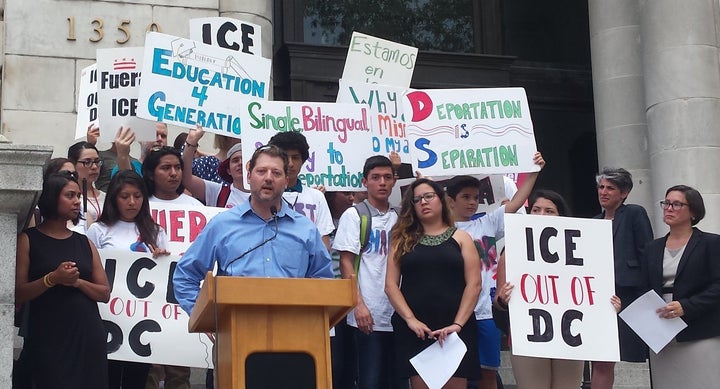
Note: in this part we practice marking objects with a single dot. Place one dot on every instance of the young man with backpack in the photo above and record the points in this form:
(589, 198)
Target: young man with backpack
(362, 238)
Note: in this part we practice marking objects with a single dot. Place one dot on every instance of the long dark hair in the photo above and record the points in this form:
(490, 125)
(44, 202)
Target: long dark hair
(143, 221)
(408, 229)
(552, 196)
(52, 188)
(152, 160)
(75, 150)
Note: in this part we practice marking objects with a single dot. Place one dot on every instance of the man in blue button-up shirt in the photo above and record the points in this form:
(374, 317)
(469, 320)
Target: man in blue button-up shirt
(288, 243)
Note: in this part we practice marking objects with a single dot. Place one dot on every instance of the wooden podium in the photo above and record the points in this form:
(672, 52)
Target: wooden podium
(283, 315)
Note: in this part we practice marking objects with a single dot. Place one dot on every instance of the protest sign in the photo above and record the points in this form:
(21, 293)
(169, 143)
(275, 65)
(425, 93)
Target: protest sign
(228, 33)
(563, 276)
(378, 61)
(87, 104)
(469, 131)
(181, 222)
(338, 135)
(386, 117)
(189, 83)
(119, 72)
(143, 320)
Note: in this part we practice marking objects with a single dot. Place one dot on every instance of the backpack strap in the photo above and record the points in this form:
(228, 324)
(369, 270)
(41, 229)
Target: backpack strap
(363, 210)
(223, 196)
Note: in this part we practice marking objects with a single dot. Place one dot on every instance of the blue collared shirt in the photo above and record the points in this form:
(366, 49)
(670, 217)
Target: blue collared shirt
(296, 252)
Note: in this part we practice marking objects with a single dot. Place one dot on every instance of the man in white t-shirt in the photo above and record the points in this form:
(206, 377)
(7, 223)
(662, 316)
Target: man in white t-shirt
(303, 199)
(211, 193)
(371, 316)
(463, 197)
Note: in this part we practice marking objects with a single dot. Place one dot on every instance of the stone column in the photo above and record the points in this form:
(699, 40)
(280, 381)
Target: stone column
(618, 88)
(682, 97)
(20, 185)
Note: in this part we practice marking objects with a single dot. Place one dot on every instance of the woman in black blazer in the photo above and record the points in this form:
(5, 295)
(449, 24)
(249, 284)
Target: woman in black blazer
(684, 268)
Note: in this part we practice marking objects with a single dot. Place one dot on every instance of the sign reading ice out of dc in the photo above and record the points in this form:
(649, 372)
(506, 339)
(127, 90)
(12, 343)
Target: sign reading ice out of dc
(119, 72)
(189, 83)
(87, 110)
(469, 131)
(338, 135)
(563, 276)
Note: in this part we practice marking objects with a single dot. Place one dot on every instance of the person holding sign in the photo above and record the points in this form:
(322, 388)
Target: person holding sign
(60, 277)
(684, 268)
(631, 232)
(533, 372)
(87, 164)
(126, 224)
(440, 272)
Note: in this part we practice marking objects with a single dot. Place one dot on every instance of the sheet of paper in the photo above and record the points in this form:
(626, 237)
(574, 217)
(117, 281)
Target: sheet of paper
(436, 364)
(655, 331)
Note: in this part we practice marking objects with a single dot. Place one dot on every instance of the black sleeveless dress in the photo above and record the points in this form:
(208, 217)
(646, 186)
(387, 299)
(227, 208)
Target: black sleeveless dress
(433, 281)
(66, 336)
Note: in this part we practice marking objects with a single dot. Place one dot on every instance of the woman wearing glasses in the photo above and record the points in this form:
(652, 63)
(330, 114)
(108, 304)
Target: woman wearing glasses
(87, 164)
(440, 271)
(60, 277)
(684, 268)
(631, 232)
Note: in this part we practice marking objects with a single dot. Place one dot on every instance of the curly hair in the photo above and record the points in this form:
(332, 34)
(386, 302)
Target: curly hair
(406, 233)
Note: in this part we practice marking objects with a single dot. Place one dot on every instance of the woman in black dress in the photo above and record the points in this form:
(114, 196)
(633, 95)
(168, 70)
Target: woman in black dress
(440, 272)
(60, 277)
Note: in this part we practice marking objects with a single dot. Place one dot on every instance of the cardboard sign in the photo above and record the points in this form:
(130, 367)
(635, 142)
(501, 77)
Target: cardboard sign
(386, 116)
(470, 131)
(143, 320)
(119, 72)
(563, 276)
(189, 83)
(87, 103)
(338, 134)
(378, 61)
(228, 33)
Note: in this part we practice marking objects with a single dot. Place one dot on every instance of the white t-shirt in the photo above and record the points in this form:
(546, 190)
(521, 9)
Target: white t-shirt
(122, 236)
(486, 231)
(182, 199)
(212, 190)
(373, 265)
(94, 209)
(510, 190)
(311, 203)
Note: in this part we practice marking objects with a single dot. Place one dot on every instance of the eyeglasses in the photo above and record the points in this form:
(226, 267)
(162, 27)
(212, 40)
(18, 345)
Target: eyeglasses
(90, 162)
(676, 205)
(425, 196)
(162, 148)
(269, 149)
(68, 174)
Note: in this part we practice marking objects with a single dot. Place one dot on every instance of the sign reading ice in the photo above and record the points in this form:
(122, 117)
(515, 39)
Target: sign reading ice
(189, 83)
(466, 131)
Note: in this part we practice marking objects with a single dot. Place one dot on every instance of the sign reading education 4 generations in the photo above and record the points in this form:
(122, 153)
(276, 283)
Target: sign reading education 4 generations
(189, 83)
(469, 131)
(119, 72)
(386, 116)
(143, 320)
(338, 134)
(563, 276)
(378, 61)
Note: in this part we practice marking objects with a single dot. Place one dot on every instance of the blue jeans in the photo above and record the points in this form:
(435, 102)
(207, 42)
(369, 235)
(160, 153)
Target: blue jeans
(376, 361)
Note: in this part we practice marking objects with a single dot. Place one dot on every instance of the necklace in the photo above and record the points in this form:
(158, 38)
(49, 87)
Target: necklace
(436, 240)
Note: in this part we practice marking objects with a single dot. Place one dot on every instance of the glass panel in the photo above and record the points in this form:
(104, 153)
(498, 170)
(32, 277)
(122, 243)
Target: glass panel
(439, 25)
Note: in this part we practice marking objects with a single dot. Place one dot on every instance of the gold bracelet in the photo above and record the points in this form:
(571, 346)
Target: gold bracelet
(191, 145)
(46, 280)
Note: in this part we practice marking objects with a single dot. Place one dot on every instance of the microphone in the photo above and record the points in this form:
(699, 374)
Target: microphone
(273, 211)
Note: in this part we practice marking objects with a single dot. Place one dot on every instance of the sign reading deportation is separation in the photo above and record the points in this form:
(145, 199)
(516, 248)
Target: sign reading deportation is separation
(338, 134)
(187, 83)
(469, 131)
(563, 276)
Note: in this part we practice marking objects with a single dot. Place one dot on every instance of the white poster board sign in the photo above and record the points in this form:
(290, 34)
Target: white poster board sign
(563, 273)
(378, 61)
(187, 83)
(119, 72)
(338, 135)
(228, 33)
(469, 131)
(143, 319)
(386, 115)
(182, 223)
(87, 104)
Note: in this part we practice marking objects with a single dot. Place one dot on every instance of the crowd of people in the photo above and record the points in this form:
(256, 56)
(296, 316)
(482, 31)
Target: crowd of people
(426, 269)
